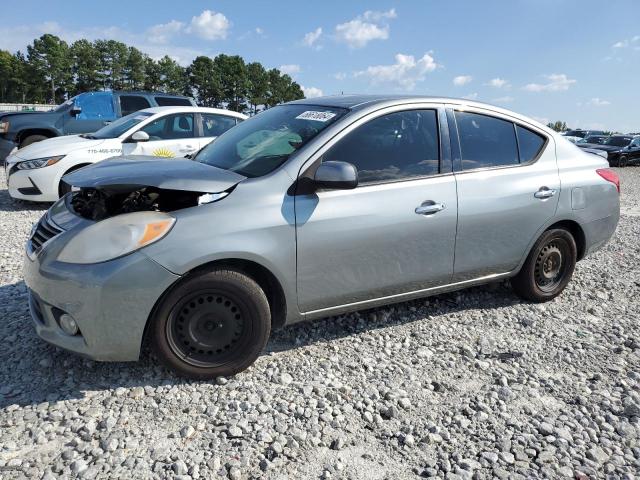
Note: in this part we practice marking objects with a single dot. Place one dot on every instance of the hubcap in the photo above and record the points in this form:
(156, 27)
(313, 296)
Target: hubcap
(205, 329)
(550, 266)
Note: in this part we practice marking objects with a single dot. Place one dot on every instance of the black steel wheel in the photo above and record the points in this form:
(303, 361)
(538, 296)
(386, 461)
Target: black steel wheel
(212, 324)
(623, 161)
(548, 267)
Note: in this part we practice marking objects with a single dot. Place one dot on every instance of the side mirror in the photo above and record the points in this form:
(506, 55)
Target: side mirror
(75, 110)
(336, 176)
(140, 136)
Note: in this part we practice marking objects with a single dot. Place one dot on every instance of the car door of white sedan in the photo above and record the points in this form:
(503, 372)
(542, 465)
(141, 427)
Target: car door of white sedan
(169, 136)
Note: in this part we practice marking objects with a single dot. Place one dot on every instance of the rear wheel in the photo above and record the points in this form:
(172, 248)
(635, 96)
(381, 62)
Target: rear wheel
(623, 161)
(213, 324)
(32, 139)
(548, 268)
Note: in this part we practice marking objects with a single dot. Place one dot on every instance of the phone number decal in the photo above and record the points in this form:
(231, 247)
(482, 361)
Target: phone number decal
(104, 150)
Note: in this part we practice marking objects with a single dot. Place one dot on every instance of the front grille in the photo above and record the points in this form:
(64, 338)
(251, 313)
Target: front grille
(45, 230)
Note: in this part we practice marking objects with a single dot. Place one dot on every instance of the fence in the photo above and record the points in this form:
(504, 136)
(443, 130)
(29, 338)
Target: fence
(24, 107)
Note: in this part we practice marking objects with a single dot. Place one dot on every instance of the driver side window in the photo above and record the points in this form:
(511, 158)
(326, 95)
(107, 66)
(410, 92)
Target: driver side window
(392, 147)
(171, 127)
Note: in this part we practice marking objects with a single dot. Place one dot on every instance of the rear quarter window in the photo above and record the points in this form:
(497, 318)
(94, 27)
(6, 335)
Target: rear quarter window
(530, 144)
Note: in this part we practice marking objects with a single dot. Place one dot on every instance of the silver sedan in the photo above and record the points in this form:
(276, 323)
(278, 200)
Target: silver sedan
(311, 209)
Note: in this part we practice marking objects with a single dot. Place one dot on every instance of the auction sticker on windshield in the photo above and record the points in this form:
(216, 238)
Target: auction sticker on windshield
(317, 116)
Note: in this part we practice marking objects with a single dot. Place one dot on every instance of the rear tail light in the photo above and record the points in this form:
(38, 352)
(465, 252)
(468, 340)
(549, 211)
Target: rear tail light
(610, 176)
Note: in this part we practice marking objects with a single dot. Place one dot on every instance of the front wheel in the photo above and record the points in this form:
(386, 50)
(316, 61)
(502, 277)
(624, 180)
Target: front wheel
(623, 161)
(548, 268)
(212, 324)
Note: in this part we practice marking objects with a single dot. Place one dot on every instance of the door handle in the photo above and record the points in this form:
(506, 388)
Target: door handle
(429, 208)
(544, 193)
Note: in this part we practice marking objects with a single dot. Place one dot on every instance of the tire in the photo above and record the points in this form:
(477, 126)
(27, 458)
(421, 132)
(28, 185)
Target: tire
(32, 139)
(212, 324)
(623, 161)
(548, 268)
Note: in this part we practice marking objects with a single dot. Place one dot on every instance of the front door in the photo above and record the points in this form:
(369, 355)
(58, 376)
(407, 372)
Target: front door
(96, 109)
(395, 232)
(508, 189)
(169, 136)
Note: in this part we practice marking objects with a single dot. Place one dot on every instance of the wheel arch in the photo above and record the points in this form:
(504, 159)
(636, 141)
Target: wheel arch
(35, 131)
(262, 276)
(576, 231)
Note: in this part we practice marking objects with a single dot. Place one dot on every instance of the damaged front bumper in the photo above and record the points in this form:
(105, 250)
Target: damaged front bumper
(110, 301)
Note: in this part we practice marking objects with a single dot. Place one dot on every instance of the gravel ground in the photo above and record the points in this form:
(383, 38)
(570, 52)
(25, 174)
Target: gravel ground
(474, 384)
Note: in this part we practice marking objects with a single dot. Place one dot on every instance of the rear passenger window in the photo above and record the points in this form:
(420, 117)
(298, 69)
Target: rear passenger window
(132, 103)
(530, 144)
(486, 141)
(172, 102)
(215, 125)
(396, 146)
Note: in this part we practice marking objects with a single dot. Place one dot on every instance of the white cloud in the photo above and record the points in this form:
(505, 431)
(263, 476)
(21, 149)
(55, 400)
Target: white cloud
(497, 82)
(598, 102)
(312, 37)
(289, 69)
(462, 80)
(311, 92)
(339, 76)
(371, 25)
(259, 30)
(621, 44)
(505, 99)
(405, 72)
(558, 82)
(163, 32)
(210, 25)
(19, 36)
(471, 96)
(628, 42)
(373, 16)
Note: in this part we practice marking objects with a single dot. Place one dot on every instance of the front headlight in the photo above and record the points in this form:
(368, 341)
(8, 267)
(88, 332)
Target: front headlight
(38, 162)
(4, 126)
(116, 236)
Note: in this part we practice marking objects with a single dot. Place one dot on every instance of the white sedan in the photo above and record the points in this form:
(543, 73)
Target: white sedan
(34, 172)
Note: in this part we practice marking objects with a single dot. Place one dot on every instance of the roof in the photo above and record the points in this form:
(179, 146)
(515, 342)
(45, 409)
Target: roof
(187, 109)
(357, 102)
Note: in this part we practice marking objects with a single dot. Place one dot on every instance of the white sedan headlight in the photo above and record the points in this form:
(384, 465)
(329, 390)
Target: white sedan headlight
(116, 236)
(38, 162)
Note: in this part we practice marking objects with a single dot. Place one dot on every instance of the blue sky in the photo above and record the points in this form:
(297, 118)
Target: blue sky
(572, 60)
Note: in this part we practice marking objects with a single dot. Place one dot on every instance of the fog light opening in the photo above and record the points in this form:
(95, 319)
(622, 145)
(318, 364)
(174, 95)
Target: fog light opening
(68, 324)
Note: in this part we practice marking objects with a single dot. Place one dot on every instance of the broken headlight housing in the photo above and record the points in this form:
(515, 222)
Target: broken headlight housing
(116, 237)
(38, 162)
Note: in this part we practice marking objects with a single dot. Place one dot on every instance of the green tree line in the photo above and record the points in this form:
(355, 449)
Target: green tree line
(52, 71)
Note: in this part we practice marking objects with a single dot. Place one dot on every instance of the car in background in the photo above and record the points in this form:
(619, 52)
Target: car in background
(612, 145)
(308, 210)
(593, 139)
(83, 113)
(577, 134)
(630, 154)
(35, 172)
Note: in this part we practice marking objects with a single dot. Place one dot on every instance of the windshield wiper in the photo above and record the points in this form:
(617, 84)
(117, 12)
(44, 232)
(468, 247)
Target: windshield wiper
(88, 135)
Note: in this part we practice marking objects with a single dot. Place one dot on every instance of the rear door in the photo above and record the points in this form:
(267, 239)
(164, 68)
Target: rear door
(169, 136)
(394, 233)
(508, 188)
(214, 125)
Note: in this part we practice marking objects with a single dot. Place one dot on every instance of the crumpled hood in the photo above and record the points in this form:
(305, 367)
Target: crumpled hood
(137, 171)
(55, 146)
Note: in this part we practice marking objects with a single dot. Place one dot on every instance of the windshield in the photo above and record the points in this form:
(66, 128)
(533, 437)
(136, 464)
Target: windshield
(261, 144)
(618, 141)
(117, 128)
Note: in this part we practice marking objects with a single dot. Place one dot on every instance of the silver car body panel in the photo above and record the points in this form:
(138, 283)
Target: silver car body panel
(337, 251)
